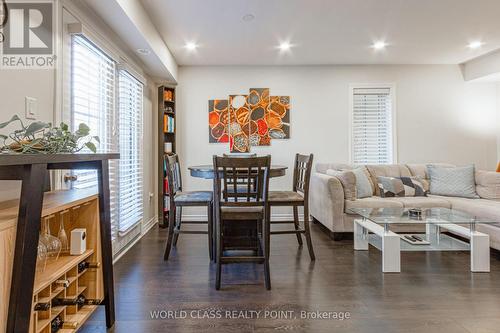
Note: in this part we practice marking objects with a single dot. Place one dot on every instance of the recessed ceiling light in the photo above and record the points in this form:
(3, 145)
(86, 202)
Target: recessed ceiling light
(191, 46)
(285, 46)
(475, 45)
(144, 51)
(380, 45)
(248, 17)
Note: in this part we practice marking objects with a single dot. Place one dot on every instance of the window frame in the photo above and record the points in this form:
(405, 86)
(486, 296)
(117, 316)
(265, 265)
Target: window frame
(392, 89)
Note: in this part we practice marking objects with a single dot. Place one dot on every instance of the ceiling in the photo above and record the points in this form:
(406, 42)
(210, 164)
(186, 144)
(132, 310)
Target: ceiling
(326, 31)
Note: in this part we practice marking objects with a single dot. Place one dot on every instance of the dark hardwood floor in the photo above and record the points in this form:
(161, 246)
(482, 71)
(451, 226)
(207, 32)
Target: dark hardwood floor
(436, 292)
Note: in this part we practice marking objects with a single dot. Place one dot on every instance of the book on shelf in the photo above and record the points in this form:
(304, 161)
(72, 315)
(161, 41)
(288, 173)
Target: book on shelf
(168, 124)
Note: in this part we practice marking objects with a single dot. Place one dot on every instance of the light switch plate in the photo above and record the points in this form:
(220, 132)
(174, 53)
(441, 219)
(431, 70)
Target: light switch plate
(31, 107)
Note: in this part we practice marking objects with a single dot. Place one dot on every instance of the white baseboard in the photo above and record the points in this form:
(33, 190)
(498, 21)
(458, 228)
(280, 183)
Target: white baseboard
(274, 217)
(145, 227)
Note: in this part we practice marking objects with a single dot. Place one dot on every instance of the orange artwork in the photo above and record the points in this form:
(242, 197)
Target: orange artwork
(249, 120)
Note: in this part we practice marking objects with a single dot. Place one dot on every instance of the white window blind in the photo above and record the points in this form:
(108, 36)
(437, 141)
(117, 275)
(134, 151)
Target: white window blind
(93, 85)
(372, 132)
(130, 135)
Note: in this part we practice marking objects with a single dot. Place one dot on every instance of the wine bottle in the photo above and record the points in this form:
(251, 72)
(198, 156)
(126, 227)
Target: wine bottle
(70, 324)
(82, 300)
(85, 264)
(42, 306)
(64, 301)
(63, 282)
(56, 324)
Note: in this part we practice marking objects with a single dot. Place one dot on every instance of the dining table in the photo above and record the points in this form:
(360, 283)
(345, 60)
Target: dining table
(206, 171)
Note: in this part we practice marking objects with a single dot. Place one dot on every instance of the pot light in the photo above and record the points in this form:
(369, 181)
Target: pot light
(144, 51)
(248, 17)
(285, 46)
(380, 45)
(475, 45)
(191, 46)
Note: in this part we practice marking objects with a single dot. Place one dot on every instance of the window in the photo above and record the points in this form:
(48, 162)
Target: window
(130, 125)
(372, 139)
(110, 101)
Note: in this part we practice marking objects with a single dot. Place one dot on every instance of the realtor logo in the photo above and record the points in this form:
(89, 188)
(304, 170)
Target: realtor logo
(28, 35)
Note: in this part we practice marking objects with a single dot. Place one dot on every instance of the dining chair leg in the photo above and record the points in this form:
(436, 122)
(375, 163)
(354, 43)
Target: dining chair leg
(218, 255)
(210, 231)
(178, 221)
(171, 226)
(308, 233)
(297, 224)
(266, 233)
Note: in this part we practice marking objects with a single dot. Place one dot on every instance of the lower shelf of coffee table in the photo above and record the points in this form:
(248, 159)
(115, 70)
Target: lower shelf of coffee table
(439, 242)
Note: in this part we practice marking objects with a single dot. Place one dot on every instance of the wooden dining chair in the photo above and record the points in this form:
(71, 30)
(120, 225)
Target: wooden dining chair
(179, 199)
(299, 196)
(242, 223)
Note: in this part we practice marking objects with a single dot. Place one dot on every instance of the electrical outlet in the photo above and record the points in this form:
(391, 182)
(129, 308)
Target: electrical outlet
(31, 107)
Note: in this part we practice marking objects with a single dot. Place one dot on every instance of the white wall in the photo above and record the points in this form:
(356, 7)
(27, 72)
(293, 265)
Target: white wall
(15, 85)
(440, 118)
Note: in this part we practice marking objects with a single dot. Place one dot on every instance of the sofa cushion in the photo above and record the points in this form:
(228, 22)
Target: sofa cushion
(323, 167)
(423, 202)
(454, 182)
(482, 208)
(373, 202)
(420, 172)
(364, 186)
(387, 170)
(400, 187)
(348, 180)
(488, 184)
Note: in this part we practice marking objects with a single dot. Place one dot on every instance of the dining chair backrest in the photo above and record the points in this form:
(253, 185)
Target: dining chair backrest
(173, 169)
(231, 173)
(302, 173)
(240, 155)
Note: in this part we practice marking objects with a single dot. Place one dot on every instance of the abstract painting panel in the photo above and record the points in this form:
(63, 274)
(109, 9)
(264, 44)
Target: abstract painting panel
(239, 124)
(258, 100)
(218, 120)
(278, 117)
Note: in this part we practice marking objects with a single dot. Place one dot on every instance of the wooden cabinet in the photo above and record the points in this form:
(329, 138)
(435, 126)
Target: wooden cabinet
(80, 209)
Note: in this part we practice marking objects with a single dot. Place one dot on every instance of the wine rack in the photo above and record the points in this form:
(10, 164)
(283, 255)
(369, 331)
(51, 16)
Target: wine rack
(66, 277)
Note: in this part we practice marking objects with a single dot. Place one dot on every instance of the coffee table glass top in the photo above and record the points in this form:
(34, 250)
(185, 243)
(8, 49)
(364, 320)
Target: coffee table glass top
(428, 216)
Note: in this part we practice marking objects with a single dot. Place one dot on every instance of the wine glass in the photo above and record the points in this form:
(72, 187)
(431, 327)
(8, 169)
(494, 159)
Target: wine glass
(53, 243)
(41, 255)
(63, 237)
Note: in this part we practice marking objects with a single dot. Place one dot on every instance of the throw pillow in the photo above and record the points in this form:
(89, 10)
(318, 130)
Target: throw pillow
(452, 182)
(348, 181)
(400, 187)
(363, 184)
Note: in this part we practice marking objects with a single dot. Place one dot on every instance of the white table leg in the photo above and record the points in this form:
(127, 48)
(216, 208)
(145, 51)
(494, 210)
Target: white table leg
(391, 253)
(360, 237)
(479, 252)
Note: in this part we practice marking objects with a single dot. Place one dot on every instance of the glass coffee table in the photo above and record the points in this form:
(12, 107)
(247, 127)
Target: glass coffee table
(375, 224)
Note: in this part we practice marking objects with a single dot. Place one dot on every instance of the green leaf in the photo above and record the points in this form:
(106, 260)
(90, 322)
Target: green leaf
(14, 118)
(64, 126)
(96, 138)
(91, 146)
(83, 130)
(35, 127)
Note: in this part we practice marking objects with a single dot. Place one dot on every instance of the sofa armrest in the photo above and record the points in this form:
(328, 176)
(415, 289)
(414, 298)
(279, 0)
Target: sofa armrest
(326, 199)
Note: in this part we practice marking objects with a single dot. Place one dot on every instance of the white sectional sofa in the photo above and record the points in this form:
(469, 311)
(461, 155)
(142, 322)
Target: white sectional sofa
(328, 206)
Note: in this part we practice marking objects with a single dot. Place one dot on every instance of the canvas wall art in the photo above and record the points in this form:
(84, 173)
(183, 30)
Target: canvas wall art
(218, 120)
(249, 120)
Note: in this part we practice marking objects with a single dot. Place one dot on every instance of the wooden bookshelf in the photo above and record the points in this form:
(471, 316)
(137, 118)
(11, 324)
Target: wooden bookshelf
(166, 135)
(81, 210)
